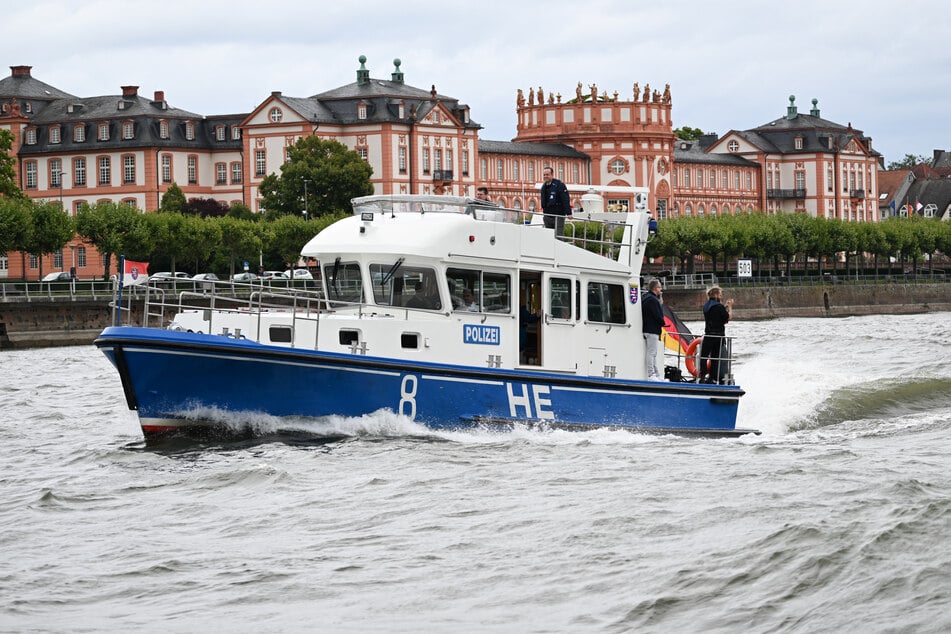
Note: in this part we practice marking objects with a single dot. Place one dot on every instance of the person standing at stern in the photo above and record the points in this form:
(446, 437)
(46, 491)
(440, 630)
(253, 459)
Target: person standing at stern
(556, 203)
(652, 316)
(715, 315)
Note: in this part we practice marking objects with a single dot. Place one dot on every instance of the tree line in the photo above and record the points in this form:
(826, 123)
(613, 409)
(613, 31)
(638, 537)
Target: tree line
(774, 242)
(196, 235)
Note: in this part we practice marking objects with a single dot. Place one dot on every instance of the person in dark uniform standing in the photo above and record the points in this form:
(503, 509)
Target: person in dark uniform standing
(652, 315)
(556, 203)
(716, 315)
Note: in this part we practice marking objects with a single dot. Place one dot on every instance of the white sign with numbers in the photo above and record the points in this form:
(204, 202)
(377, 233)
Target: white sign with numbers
(744, 268)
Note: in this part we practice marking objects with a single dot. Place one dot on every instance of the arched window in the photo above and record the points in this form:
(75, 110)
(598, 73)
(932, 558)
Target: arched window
(687, 210)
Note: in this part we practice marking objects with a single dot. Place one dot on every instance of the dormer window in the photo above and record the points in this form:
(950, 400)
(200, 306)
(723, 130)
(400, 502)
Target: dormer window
(55, 134)
(128, 130)
(362, 111)
(402, 110)
(733, 146)
(31, 136)
(163, 129)
(275, 115)
(103, 132)
(797, 142)
(236, 133)
(190, 130)
(28, 107)
(220, 133)
(79, 134)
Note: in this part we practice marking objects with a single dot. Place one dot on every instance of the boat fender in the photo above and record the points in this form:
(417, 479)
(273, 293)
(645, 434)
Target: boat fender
(691, 354)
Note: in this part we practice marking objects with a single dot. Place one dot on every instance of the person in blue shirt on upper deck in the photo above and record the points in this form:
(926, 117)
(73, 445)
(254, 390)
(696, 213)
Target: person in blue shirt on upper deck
(556, 203)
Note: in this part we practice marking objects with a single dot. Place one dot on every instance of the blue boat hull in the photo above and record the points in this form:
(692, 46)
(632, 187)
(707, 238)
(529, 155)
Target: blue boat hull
(172, 378)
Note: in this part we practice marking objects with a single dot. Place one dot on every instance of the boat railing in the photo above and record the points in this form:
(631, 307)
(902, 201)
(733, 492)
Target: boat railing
(683, 362)
(223, 297)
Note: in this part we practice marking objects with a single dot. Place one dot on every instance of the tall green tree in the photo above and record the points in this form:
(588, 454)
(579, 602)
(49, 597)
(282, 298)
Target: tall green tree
(8, 178)
(239, 240)
(910, 161)
(111, 228)
(687, 133)
(51, 229)
(14, 223)
(173, 199)
(321, 176)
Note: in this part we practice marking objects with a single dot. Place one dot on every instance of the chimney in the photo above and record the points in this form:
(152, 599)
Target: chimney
(363, 75)
(791, 109)
(397, 73)
(130, 91)
(159, 95)
(20, 71)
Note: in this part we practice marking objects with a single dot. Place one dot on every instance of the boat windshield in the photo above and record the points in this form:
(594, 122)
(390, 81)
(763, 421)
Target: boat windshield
(411, 204)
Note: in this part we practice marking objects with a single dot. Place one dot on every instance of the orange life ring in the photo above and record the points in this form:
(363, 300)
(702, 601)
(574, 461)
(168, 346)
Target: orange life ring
(691, 355)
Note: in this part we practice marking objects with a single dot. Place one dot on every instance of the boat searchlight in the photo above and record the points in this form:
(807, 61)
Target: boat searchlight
(367, 218)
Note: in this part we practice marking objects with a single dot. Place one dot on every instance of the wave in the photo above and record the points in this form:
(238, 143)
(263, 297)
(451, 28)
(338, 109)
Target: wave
(882, 400)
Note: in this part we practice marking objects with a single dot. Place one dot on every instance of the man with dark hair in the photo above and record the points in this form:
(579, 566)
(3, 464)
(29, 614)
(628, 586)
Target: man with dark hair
(652, 317)
(482, 193)
(556, 203)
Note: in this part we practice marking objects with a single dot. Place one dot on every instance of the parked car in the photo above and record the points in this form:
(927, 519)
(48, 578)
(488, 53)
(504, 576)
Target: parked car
(273, 275)
(58, 276)
(205, 280)
(244, 277)
(298, 274)
(167, 279)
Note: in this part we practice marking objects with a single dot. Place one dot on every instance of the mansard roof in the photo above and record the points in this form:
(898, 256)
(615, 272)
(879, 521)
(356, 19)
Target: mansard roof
(696, 152)
(22, 85)
(146, 115)
(816, 134)
(382, 99)
(533, 149)
(108, 107)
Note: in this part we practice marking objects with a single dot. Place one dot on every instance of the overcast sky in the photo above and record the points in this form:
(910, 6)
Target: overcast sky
(883, 66)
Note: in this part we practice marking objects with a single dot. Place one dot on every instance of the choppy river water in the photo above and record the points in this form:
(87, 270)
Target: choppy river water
(836, 518)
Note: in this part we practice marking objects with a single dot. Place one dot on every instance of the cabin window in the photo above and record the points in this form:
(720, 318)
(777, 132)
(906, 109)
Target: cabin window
(559, 298)
(280, 334)
(409, 340)
(411, 286)
(490, 292)
(344, 282)
(606, 303)
(349, 337)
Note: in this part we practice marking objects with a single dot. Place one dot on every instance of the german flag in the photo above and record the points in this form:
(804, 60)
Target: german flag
(675, 335)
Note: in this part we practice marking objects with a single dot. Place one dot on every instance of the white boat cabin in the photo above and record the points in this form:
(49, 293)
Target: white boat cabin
(449, 280)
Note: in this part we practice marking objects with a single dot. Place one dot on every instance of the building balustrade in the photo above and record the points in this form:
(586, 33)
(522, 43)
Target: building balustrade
(785, 193)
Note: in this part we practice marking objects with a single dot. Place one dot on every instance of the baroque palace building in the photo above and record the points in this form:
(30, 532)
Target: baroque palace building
(128, 148)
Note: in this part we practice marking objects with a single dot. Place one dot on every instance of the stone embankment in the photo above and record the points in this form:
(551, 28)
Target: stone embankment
(60, 323)
(833, 300)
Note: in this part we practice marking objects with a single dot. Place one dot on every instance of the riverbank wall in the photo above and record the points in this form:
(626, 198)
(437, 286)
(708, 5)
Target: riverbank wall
(68, 322)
